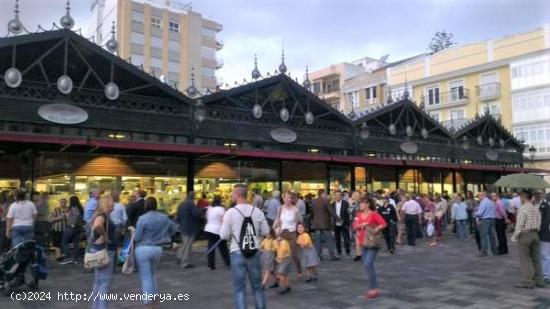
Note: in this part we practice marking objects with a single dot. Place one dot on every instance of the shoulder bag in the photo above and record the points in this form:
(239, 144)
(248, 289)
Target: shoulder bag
(373, 240)
(100, 258)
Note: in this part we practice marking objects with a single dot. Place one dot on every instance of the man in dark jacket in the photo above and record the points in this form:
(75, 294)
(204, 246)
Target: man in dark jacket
(544, 234)
(341, 223)
(189, 219)
(322, 216)
(137, 208)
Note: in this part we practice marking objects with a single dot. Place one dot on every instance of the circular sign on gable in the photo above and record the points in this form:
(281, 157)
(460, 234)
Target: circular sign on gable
(409, 147)
(283, 135)
(491, 155)
(63, 113)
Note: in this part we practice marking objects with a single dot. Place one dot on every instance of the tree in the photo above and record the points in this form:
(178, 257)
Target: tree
(441, 40)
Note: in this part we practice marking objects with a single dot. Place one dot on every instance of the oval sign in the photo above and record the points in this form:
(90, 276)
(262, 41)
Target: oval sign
(491, 155)
(283, 135)
(63, 113)
(409, 147)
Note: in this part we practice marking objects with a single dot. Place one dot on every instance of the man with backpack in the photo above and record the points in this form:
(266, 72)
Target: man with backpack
(243, 225)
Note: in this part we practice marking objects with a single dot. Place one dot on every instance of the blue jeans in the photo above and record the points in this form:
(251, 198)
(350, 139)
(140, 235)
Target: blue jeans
(240, 267)
(368, 261)
(21, 233)
(487, 236)
(147, 259)
(103, 277)
(329, 240)
(461, 229)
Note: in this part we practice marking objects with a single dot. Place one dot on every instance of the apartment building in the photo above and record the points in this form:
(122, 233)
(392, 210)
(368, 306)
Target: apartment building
(507, 77)
(166, 37)
(329, 83)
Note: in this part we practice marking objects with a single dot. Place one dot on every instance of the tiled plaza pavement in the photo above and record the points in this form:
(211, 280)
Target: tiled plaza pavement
(447, 276)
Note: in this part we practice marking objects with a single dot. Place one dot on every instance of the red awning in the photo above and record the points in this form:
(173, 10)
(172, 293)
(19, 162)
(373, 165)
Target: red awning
(279, 155)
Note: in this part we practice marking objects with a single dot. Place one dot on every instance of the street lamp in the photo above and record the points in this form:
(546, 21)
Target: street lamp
(532, 152)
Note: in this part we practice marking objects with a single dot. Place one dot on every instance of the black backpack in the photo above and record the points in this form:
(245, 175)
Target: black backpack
(248, 239)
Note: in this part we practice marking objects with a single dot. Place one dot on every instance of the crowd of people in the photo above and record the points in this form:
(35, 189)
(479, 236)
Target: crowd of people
(263, 237)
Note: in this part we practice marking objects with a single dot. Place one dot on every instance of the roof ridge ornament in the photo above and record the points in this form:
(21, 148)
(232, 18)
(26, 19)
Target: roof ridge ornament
(67, 22)
(282, 66)
(307, 82)
(15, 26)
(256, 73)
(112, 44)
(192, 89)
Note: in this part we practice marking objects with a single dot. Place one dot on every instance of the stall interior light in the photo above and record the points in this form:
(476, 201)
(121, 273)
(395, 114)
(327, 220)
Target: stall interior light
(313, 150)
(116, 136)
(230, 144)
(371, 154)
(467, 162)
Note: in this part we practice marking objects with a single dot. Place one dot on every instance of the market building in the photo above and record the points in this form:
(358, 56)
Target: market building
(74, 116)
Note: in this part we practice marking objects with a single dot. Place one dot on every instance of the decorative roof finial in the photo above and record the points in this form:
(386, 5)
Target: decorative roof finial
(406, 92)
(307, 82)
(256, 73)
(67, 22)
(192, 90)
(282, 66)
(112, 44)
(389, 99)
(15, 26)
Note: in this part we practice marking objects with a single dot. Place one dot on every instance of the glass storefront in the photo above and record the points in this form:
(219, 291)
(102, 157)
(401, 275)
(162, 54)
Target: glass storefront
(64, 175)
(429, 181)
(408, 180)
(340, 178)
(217, 177)
(448, 182)
(304, 177)
(361, 180)
(383, 178)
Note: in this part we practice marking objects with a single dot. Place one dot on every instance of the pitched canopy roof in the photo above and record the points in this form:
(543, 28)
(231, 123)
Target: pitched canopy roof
(486, 128)
(41, 57)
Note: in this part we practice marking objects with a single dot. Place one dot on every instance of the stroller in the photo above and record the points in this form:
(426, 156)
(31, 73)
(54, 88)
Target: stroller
(14, 264)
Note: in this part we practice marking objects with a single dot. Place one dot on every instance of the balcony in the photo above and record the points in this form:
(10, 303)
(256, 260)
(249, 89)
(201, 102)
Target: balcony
(219, 44)
(454, 124)
(487, 92)
(458, 97)
(219, 63)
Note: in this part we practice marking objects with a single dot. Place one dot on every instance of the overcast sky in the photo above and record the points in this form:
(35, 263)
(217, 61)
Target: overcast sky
(321, 32)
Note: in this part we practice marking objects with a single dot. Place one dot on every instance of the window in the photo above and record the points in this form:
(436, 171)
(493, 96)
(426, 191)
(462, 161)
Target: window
(137, 16)
(456, 89)
(331, 85)
(434, 115)
(316, 87)
(370, 94)
(491, 109)
(156, 22)
(432, 94)
(353, 98)
(174, 27)
(456, 114)
(137, 38)
(533, 105)
(209, 33)
(530, 72)
(535, 135)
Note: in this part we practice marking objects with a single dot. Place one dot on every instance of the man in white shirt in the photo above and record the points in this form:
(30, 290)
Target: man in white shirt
(413, 213)
(20, 219)
(241, 266)
(341, 223)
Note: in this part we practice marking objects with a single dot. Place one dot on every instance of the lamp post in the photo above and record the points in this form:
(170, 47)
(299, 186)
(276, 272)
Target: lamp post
(532, 153)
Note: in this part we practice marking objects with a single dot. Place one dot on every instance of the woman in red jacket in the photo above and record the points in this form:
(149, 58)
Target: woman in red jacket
(367, 216)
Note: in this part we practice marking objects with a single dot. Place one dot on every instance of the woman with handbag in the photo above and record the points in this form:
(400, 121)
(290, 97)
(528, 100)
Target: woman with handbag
(153, 230)
(100, 254)
(368, 225)
(285, 224)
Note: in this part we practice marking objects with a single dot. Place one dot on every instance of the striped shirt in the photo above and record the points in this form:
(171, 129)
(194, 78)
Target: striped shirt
(57, 218)
(528, 219)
